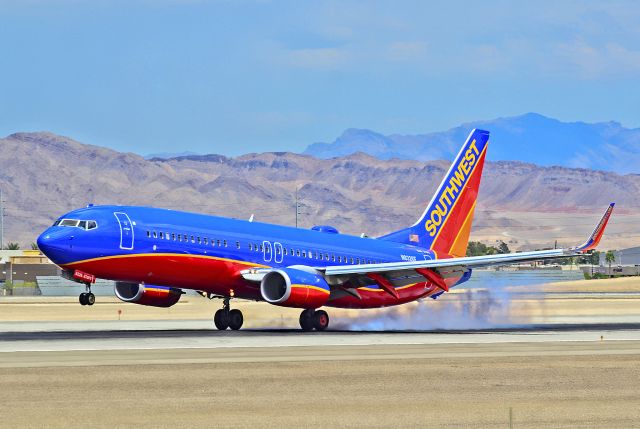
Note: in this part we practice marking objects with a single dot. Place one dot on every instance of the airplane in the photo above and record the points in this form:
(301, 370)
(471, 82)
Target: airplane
(155, 254)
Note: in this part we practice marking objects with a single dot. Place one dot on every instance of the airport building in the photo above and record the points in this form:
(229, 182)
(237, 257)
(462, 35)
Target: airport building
(630, 256)
(29, 272)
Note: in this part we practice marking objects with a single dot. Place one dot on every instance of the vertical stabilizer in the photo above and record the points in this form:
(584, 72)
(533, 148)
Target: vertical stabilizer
(446, 223)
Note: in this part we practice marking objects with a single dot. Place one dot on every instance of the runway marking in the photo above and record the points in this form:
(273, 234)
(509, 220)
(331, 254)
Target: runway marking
(314, 353)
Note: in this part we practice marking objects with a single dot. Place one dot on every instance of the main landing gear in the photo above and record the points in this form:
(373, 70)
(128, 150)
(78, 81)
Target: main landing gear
(227, 318)
(311, 319)
(87, 298)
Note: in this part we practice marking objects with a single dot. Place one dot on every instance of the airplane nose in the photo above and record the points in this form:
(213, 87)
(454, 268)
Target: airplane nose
(52, 242)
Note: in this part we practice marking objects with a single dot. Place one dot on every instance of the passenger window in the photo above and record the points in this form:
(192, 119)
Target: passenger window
(358, 261)
(155, 234)
(261, 247)
(199, 240)
(352, 260)
(225, 243)
(284, 250)
(193, 239)
(161, 235)
(173, 236)
(297, 252)
(204, 240)
(304, 254)
(333, 257)
(218, 243)
(148, 233)
(326, 256)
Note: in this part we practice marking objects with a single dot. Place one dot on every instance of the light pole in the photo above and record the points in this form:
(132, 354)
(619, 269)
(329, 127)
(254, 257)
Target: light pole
(297, 206)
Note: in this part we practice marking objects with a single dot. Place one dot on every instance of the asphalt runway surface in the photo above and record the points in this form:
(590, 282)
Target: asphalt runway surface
(552, 376)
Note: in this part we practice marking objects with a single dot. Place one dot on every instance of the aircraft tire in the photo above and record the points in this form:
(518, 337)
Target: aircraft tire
(221, 320)
(235, 319)
(306, 320)
(320, 320)
(90, 298)
(83, 299)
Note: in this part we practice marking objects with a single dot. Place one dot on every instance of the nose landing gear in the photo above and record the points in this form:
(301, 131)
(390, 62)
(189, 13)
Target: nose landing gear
(314, 319)
(227, 318)
(87, 298)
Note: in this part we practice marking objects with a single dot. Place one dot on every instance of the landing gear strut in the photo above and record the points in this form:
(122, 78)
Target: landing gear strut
(87, 298)
(227, 318)
(314, 319)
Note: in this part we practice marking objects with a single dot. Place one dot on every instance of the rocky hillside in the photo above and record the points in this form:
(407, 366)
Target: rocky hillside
(42, 175)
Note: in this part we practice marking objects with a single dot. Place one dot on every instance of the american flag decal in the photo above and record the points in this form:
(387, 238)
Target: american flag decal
(414, 238)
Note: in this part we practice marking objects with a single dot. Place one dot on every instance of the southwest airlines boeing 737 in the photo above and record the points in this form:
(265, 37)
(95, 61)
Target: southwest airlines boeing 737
(154, 254)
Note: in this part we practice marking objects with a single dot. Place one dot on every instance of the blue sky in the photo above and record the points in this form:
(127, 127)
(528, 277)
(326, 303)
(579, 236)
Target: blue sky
(239, 76)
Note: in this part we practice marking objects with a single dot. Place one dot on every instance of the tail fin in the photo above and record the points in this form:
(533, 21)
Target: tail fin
(446, 223)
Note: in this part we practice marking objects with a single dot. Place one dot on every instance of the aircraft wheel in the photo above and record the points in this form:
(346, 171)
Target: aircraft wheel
(320, 320)
(306, 320)
(83, 299)
(90, 298)
(235, 319)
(221, 320)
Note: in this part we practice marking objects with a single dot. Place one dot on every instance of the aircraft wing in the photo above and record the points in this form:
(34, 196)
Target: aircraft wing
(439, 269)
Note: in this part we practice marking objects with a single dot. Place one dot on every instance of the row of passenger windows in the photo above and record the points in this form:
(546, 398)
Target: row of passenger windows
(189, 238)
(310, 254)
(313, 254)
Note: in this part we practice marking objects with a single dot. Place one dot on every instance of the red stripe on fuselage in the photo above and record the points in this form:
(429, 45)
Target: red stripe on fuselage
(219, 276)
(208, 274)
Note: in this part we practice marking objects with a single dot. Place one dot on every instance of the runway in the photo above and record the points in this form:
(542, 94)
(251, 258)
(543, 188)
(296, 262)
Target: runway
(95, 348)
(62, 365)
(564, 377)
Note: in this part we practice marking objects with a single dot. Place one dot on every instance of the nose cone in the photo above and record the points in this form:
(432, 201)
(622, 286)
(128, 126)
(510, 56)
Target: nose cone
(54, 243)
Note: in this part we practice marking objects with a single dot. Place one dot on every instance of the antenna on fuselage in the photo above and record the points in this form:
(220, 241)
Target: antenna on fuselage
(251, 218)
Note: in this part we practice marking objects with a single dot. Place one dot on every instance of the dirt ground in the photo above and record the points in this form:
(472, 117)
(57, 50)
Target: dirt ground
(577, 389)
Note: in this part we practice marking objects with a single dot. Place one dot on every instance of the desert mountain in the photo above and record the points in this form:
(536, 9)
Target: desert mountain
(43, 175)
(531, 138)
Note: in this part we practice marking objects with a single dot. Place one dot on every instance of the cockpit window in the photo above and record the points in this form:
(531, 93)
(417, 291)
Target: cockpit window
(84, 224)
(69, 222)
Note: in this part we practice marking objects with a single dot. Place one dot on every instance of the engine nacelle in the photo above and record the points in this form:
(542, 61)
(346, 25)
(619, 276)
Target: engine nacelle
(290, 287)
(154, 296)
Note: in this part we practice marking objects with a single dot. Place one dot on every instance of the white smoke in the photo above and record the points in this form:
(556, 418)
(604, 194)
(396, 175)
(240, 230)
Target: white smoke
(465, 309)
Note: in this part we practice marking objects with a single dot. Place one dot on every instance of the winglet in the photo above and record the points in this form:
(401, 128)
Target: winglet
(595, 237)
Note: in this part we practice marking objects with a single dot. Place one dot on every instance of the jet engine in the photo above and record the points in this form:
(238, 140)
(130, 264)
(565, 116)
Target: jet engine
(290, 287)
(154, 296)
